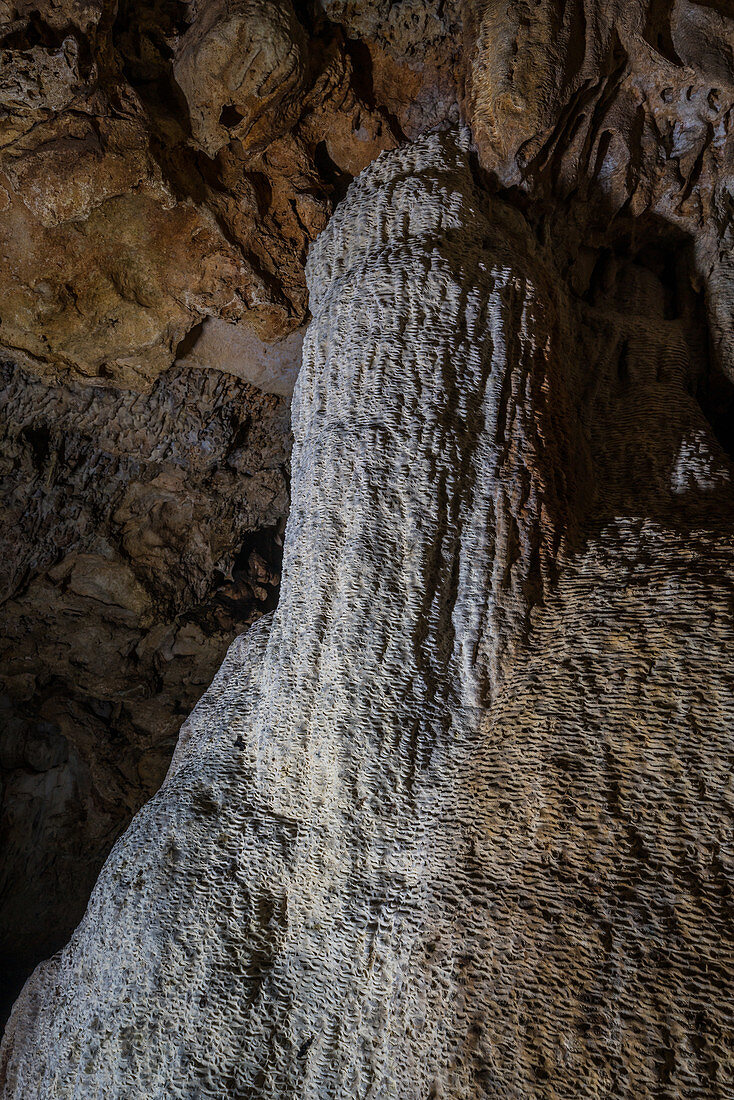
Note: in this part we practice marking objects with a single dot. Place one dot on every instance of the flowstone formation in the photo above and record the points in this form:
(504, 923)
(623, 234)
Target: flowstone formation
(164, 168)
(456, 821)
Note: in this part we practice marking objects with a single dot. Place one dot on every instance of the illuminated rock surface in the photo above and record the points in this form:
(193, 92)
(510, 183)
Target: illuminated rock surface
(457, 821)
(164, 168)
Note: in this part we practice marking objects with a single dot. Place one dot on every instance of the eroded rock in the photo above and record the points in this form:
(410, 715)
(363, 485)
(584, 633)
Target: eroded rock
(159, 197)
(613, 118)
(242, 66)
(461, 789)
(149, 178)
(409, 55)
(139, 535)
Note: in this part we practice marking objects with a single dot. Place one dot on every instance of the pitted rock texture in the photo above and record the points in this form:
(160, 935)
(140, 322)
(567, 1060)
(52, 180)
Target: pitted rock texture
(408, 55)
(139, 535)
(457, 821)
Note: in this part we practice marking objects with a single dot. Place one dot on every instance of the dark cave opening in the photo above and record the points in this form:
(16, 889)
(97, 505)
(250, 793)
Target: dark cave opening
(230, 117)
(337, 180)
(668, 254)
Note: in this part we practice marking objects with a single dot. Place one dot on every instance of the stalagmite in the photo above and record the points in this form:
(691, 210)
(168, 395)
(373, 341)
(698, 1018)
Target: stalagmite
(455, 822)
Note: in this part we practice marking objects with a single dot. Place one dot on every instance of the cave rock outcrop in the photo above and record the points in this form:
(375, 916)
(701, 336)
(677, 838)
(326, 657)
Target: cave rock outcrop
(454, 822)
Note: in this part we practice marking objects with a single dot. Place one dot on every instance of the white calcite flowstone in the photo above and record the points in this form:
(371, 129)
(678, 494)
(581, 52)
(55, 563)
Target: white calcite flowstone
(456, 823)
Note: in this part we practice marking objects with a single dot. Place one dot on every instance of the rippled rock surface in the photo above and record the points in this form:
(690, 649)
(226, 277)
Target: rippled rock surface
(456, 821)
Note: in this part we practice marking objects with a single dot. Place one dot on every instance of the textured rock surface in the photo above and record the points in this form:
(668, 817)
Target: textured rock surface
(127, 240)
(409, 56)
(161, 177)
(139, 535)
(161, 164)
(612, 116)
(242, 67)
(457, 822)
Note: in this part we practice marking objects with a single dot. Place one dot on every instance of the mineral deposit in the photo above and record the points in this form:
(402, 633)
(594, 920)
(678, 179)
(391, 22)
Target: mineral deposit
(456, 821)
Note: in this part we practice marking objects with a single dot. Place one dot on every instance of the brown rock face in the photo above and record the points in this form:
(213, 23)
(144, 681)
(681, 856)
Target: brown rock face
(149, 178)
(613, 119)
(410, 54)
(242, 68)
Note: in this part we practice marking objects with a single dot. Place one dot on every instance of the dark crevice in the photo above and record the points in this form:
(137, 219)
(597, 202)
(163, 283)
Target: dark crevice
(230, 116)
(658, 32)
(39, 440)
(253, 581)
(189, 341)
(362, 81)
(724, 7)
(263, 191)
(715, 395)
(336, 180)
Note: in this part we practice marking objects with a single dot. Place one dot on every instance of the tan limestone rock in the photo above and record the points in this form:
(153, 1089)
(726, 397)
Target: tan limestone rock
(242, 67)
